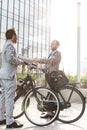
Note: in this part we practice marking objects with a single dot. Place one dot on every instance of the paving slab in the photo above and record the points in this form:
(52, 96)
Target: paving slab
(81, 124)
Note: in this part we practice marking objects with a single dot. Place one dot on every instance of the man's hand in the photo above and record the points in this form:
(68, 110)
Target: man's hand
(22, 63)
(42, 69)
(36, 60)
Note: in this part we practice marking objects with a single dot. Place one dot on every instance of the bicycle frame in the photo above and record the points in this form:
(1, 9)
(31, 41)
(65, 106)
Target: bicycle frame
(31, 84)
(28, 86)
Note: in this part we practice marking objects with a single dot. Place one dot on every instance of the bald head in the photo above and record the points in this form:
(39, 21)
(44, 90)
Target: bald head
(54, 45)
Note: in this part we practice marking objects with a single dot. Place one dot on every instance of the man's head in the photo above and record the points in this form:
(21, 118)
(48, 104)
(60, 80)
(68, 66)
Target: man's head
(11, 35)
(54, 45)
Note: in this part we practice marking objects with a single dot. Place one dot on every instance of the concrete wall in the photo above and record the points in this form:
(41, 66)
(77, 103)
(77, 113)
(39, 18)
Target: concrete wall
(75, 96)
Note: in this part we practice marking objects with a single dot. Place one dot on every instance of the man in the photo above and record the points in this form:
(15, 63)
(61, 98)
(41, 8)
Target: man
(51, 64)
(8, 80)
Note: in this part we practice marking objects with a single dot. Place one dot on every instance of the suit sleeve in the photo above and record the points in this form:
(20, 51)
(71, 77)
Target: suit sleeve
(11, 55)
(53, 60)
(26, 60)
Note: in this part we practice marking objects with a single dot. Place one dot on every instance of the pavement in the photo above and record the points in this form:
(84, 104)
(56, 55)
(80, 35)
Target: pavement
(81, 124)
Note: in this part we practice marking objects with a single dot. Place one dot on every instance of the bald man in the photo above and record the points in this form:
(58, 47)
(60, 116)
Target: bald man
(52, 62)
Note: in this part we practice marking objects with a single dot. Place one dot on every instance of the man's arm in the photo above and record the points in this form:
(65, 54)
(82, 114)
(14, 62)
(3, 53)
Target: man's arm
(10, 55)
(53, 60)
(26, 60)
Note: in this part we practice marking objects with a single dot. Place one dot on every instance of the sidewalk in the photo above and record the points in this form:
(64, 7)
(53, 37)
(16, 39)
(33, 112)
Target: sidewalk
(81, 124)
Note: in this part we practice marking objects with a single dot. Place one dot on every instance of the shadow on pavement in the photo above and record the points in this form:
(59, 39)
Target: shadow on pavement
(54, 126)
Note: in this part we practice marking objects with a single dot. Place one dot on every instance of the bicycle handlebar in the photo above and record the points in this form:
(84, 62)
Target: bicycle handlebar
(30, 64)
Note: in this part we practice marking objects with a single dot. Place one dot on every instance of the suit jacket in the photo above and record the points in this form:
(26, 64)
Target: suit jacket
(9, 61)
(53, 61)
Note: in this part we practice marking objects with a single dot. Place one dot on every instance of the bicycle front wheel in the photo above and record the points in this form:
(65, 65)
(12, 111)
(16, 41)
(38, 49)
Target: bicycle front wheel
(18, 110)
(41, 100)
(72, 104)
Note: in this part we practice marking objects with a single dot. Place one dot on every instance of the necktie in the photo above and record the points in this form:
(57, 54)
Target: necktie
(46, 66)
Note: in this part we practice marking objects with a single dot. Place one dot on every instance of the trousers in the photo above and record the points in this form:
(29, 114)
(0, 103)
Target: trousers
(49, 81)
(8, 88)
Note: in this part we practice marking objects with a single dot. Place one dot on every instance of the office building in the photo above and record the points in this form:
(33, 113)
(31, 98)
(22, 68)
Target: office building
(31, 19)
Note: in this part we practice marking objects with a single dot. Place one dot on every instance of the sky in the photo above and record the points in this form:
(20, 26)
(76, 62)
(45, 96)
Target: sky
(64, 23)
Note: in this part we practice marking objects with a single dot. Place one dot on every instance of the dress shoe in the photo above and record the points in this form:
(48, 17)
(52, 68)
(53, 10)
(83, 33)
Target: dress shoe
(14, 125)
(3, 122)
(48, 115)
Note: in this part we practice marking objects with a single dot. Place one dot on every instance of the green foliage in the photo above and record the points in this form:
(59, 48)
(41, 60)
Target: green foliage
(23, 69)
(21, 76)
(84, 81)
(71, 78)
(34, 76)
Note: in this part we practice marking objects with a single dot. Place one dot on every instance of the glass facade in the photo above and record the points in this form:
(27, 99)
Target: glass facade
(31, 19)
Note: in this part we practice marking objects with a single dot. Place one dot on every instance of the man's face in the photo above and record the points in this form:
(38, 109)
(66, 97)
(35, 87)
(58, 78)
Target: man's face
(14, 39)
(54, 46)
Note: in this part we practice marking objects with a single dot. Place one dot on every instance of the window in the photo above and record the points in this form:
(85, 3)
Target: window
(17, 4)
(16, 11)
(4, 4)
(4, 12)
(21, 9)
(10, 15)
(21, 19)
(16, 25)
(26, 12)
(21, 30)
(9, 23)
(26, 32)
(10, 6)
(15, 17)
(32, 29)
(3, 26)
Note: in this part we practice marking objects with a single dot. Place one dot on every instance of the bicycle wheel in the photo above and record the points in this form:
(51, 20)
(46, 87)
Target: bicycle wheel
(18, 110)
(72, 104)
(41, 100)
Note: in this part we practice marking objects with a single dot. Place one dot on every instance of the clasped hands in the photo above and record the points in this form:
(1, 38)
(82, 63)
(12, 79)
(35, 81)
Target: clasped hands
(35, 60)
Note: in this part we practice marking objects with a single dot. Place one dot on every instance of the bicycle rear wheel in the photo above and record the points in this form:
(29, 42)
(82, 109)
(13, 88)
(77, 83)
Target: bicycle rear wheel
(72, 106)
(41, 100)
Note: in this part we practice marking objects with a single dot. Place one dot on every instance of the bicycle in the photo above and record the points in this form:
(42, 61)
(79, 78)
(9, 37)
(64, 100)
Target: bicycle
(31, 96)
(71, 100)
(73, 105)
(63, 103)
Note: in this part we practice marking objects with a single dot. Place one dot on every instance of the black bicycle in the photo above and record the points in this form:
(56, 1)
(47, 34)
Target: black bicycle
(72, 104)
(32, 101)
(67, 104)
(71, 100)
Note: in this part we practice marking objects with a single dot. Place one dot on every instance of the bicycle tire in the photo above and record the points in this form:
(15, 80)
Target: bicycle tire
(72, 112)
(18, 110)
(37, 102)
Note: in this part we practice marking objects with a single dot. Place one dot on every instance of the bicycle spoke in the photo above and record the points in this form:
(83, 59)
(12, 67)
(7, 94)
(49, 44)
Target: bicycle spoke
(73, 105)
(36, 107)
(18, 109)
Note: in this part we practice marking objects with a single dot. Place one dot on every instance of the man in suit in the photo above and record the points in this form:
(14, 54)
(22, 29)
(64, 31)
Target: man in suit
(8, 80)
(51, 64)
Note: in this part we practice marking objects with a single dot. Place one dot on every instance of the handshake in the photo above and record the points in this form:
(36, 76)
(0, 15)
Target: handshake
(35, 60)
(28, 61)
